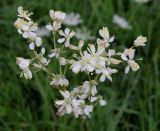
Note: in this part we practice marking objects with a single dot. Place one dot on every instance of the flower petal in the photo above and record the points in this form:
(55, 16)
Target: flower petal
(127, 69)
(61, 40)
(31, 46)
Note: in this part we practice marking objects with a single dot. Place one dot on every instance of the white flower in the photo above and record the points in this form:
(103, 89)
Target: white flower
(88, 109)
(25, 28)
(57, 15)
(81, 91)
(88, 89)
(67, 35)
(37, 42)
(78, 107)
(65, 106)
(54, 27)
(54, 53)
(70, 104)
(93, 60)
(24, 14)
(28, 29)
(62, 61)
(90, 60)
(128, 55)
(111, 60)
(76, 67)
(93, 99)
(19, 23)
(140, 41)
(26, 73)
(24, 66)
(106, 73)
(59, 80)
(30, 35)
(84, 34)
(104, 33)
(41, 63)
(121, 22)
(22, 63)
(72, 19)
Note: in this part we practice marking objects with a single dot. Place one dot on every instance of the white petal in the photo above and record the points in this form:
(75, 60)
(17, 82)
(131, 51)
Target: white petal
(61, 32)
(104, 33)
(72, 34)
(25, 28)
(67, 43)
(90, 68)
(92, 48)
(49, 27)
(59, 102)
(61, 40)
(88, 109)
(25, 35)
(140, 41)
(111, 53)
(76, 67)
(102, 78)
(124, 57)
(22, 63)
(38, 41)
(111, 39)
(51, 13)
(31, 46)
(134, 66)
(127, 69)
(94, 90)
(115, 61)
(27, 74)
(52, 55)
(93, 99)
(66, 31)
(109, 77)
(43, 50)
(102, 102)
(68, 109)
(65, 94)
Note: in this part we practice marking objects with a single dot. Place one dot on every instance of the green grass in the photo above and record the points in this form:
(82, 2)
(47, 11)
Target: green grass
(133, 99)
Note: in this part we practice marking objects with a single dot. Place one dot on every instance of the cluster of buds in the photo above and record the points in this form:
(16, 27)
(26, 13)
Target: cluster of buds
(97, 60)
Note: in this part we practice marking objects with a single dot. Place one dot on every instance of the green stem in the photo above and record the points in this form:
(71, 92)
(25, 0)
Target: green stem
(90, 88)
(85, 127)
(54, 42)
(54, 39)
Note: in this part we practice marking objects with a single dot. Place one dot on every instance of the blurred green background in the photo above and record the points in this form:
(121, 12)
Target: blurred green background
(133, 99)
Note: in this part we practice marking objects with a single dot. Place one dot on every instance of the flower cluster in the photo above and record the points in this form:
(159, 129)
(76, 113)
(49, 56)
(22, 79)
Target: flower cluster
(97, 60)
(27, 28)
(75, 101)
(24, 66)
(57, 17)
